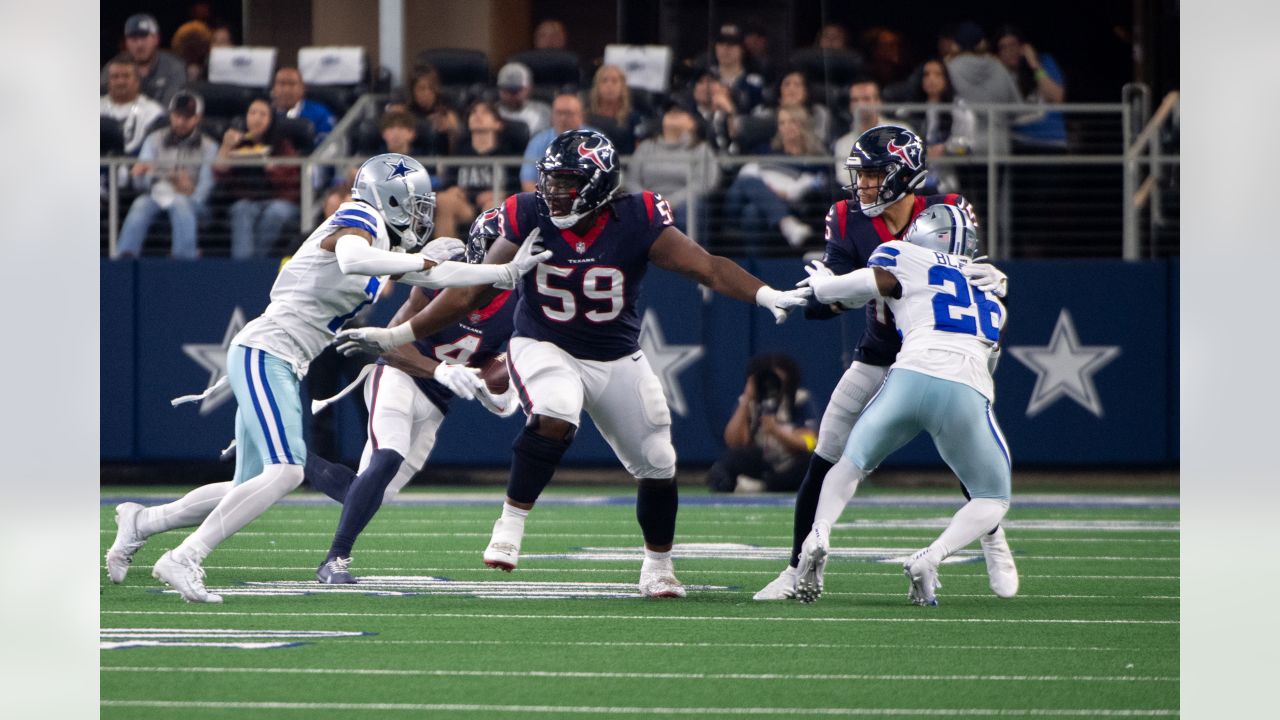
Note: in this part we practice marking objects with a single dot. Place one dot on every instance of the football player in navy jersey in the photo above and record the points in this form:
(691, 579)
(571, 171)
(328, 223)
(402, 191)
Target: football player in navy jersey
(408, 395)
(576, 340)
(886, 166)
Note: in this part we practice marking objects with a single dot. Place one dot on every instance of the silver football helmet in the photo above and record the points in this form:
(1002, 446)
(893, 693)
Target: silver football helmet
(400, 189)
(945, 228)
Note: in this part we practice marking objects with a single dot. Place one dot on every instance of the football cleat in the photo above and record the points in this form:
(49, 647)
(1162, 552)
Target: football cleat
(335, 571)
(185, 575)
(128, 541)
(658, 580)
(922, 571)
(782, 587)
(503, 552)
(1002, 573)
(813, 563)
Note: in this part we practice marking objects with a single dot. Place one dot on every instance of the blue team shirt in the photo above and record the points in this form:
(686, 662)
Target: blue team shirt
(473, 341)
(583, 299)
(851, 238)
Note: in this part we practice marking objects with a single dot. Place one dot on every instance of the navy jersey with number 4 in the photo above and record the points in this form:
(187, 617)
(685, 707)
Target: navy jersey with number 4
(583, 299)
(472, 342)
(851, 239)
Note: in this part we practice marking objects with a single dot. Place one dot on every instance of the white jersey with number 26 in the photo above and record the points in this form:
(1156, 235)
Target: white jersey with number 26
(312, 298)
(948, 327)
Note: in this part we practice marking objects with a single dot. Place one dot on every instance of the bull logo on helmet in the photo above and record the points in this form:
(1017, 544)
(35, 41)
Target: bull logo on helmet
(601, 154)
(910, 153)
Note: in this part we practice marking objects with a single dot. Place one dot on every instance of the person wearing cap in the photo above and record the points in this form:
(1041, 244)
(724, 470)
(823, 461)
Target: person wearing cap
(175, 174)
(746, 87)
(125, 103)
(161, 72)
(515, 81)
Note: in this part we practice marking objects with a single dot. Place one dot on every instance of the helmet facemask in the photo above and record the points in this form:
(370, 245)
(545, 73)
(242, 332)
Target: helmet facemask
(561, 192)
(412, 220)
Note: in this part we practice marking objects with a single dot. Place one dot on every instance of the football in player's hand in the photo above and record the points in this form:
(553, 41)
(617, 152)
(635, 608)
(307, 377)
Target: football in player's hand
(494, 374)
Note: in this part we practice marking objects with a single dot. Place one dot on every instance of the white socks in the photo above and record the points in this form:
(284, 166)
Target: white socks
(511, 512)
(837, 490)
(970, 522)
(188, 510)
(241, 505)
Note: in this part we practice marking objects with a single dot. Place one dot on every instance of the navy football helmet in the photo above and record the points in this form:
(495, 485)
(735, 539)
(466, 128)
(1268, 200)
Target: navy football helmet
(487, 227)
(898, 154)
(578, 175)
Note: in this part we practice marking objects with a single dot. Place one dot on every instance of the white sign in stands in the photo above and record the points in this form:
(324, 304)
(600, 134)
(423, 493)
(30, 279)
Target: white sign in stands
(243, 66)
(331, 65)
(647, 67)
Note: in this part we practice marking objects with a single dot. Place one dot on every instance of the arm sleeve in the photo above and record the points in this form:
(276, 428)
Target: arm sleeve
(456, 274)
(204, 176)
(357, 257)
(853, 289)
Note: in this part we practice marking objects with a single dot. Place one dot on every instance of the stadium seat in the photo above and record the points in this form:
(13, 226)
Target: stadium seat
(338, 98)
(222, 100)
(551, 67)
(458, 67)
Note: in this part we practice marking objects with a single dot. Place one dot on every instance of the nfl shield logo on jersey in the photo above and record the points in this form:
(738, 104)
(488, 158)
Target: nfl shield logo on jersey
(581, 247)
(475, 317)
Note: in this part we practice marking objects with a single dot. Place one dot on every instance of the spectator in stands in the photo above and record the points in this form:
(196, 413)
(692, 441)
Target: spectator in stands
(566, 115)
(883, 49)
(1039, 81)
(485, 138)
(864, 113)
(832, 36)
(175, 173)
(979, 78)
(716, 112)
(515, 82)
(426, 102)
(288, 97)
(772, 433)
(765, 197)
(550, 34)
(947, 45)
(755, 40)
(161, 73)
(191, 44)
(946, 132)
(125, 103)
(222, 36)
(793, 91)
(266, 196)
(399, 131)
(610, 111)
(667, 163)
(745, 87)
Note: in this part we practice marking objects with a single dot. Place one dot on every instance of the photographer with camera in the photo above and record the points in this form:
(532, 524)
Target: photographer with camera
(771, 434)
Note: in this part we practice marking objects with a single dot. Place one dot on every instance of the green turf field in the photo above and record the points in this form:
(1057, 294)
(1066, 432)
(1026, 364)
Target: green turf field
(433, 633)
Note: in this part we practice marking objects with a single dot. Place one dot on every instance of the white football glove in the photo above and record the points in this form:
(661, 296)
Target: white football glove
(373, 340)
(443, 249)
(814, 270)
(461, 380)
(504, 405)
(528, 257)
(986, 277)
(780, 302)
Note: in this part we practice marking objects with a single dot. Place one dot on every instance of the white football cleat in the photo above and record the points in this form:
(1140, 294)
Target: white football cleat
(813, 563)
(1002, 573)
(658, 580)
(782, 587)
(128, 541)
(185, 575)
(503, 552)
(922, 571)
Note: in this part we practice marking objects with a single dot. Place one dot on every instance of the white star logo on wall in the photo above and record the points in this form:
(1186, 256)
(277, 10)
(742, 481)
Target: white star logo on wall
(667, 361)
(1064, 367)
(213, 357)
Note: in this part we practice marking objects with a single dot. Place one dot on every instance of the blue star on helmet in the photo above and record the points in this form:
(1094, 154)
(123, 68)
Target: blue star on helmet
(399, 169)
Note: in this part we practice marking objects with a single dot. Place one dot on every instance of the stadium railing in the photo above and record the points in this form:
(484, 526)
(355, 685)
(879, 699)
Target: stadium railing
(1113, 192)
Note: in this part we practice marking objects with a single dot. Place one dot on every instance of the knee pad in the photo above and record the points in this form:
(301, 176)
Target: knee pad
(660, 456)
(856, 387)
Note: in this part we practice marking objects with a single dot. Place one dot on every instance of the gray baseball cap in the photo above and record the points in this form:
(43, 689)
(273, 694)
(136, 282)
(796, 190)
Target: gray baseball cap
(141, 24)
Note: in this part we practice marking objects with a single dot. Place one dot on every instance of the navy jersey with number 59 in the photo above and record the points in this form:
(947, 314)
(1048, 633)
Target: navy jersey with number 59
(851, 238)
(583, 299)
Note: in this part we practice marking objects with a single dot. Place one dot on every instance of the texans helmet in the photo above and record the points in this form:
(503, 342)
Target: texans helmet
(399, 188)
(579, 174)
(945, 228)
(487, 227)
(894, 151)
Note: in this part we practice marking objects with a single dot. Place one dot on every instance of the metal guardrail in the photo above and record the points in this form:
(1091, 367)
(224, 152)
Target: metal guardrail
(991, 169)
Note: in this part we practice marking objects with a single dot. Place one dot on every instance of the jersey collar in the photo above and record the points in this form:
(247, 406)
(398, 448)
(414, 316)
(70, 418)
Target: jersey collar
(882, 228)
(582, 243)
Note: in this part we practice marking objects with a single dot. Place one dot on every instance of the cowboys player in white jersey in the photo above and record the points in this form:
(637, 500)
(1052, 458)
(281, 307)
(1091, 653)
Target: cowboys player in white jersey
(940, 383)
(338, 270)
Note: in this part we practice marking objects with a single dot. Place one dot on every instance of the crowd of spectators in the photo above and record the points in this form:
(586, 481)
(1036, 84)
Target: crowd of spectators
(739, 99)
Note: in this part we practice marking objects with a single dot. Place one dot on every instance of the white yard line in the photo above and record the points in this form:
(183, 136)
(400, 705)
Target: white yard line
(218, 611)
(798, 646)
(646, 711)
(781, 552)
(686, 537)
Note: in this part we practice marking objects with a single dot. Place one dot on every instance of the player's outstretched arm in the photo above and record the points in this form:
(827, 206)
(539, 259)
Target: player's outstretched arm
(357, 256)
(449, 273)
(853, 289)
(673, 250)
